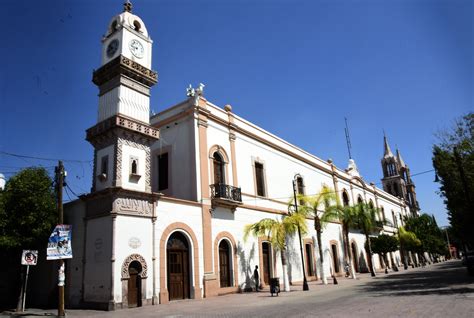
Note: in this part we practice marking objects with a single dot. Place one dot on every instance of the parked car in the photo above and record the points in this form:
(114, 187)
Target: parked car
(468, 260)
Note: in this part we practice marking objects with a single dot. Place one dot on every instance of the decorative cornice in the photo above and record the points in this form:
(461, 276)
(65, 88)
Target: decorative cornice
(119, 121)
(124, 65)
(119, 201)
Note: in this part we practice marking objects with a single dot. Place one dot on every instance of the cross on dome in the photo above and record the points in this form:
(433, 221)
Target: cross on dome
(127, 6)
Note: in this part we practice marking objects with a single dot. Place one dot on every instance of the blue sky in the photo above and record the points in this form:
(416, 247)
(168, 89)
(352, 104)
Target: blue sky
(295, 68)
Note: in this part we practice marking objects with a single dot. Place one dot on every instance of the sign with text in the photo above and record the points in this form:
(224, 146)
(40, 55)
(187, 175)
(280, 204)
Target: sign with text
(29, 257)
(59, 243)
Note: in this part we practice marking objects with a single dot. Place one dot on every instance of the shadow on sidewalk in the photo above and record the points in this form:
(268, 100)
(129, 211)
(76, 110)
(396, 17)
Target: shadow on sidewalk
(443, 279)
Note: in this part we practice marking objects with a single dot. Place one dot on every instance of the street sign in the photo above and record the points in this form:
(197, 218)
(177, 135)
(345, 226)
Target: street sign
(29, 257)
(59, 243)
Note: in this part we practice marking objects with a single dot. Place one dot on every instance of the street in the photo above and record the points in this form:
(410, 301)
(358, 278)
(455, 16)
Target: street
(439, 290)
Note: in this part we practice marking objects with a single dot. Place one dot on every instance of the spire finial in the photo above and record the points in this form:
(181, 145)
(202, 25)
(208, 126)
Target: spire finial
(127, 6)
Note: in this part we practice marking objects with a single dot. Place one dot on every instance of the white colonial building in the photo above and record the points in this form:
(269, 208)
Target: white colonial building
(172, 193)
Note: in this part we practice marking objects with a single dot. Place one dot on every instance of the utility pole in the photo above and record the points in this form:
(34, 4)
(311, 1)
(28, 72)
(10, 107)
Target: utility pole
(60, 174)
(305, 282)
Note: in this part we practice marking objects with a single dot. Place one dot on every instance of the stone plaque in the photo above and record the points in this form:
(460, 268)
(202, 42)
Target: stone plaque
(134, 206)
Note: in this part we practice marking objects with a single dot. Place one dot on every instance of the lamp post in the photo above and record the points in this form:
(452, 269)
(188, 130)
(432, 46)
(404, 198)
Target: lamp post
(445, 228)
(305, 282)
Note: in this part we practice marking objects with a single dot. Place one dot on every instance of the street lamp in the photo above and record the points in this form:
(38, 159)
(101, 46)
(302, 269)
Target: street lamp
(445, 228)
(305, 282)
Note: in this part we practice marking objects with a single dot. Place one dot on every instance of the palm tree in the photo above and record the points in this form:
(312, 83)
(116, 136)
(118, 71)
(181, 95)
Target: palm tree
(277, 231)
(310, 207)
(345, 215)
(366, 221)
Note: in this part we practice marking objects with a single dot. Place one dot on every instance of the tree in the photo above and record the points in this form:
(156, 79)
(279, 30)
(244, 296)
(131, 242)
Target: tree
(408, 242)
(27, 216)
(27, 210)
(428, 232)
(325, 198)
(345, 215)
(453, 160)
(384, 244)
(364, 218)
(277, 232)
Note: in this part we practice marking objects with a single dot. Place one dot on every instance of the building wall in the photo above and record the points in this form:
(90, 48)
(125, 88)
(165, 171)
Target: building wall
(177, 139)
(105, 152)
(98, 266)
(74, 215)
(135, 237)
(179, 216)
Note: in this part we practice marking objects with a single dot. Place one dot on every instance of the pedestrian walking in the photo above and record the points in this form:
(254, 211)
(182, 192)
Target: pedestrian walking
(346, 269)
(256, 278)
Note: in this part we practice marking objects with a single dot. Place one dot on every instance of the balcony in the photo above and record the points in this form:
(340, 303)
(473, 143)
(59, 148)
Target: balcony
(378, 226)
(226, 196)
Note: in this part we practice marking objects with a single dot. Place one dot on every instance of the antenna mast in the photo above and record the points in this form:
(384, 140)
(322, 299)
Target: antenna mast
(348, 139)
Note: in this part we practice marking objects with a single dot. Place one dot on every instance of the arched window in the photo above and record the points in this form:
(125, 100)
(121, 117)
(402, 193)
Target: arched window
(394, 218)
(396, 190)
(345, 198)
(371, 206)
(359, 199)
(219, 175)
(300, 188)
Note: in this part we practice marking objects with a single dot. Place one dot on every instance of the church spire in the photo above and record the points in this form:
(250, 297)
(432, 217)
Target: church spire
(387, 152)
(400, 159)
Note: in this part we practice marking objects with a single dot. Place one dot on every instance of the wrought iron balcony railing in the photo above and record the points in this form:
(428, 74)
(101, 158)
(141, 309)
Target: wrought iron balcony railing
(226, 192)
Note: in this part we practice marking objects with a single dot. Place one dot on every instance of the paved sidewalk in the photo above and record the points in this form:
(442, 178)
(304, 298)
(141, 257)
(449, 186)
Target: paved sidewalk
(437, 290)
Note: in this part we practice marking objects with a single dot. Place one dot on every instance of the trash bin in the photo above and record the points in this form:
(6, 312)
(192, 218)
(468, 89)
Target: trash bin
(275, 285)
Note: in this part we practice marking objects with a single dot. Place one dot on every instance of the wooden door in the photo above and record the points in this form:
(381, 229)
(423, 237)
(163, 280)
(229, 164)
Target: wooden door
(309, 260)
(178, 274)
(266, 262)
(178, 267)
(133, 290)
(355, 257)
(335, 258)
(224, 264)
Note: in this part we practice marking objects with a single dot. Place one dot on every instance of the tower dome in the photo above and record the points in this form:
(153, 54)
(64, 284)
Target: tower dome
(128, 20)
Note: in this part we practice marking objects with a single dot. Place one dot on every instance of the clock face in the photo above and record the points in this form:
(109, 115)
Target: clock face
(112, 47)
(136, 48)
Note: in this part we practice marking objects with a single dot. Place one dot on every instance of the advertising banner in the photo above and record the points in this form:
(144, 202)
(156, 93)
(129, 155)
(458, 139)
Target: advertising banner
(29, 257)
(59, 243)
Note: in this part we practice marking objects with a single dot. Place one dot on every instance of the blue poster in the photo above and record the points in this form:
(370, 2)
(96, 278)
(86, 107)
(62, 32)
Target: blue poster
(59, 243)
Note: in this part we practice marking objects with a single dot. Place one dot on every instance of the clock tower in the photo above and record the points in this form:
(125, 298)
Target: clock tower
(122, 136)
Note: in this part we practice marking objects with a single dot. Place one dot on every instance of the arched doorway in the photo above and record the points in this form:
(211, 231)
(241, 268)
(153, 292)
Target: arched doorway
(266, 255)
(134, 285)
(355, 257)
(225, 267)
(335, 258)
(177, 250)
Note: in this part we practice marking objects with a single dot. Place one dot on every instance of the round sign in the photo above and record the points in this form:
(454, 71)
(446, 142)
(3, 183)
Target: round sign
(134, 242)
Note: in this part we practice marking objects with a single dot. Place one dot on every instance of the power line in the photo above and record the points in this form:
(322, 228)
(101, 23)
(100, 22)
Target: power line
(68, 187)
(42, 158)
(67, 193)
